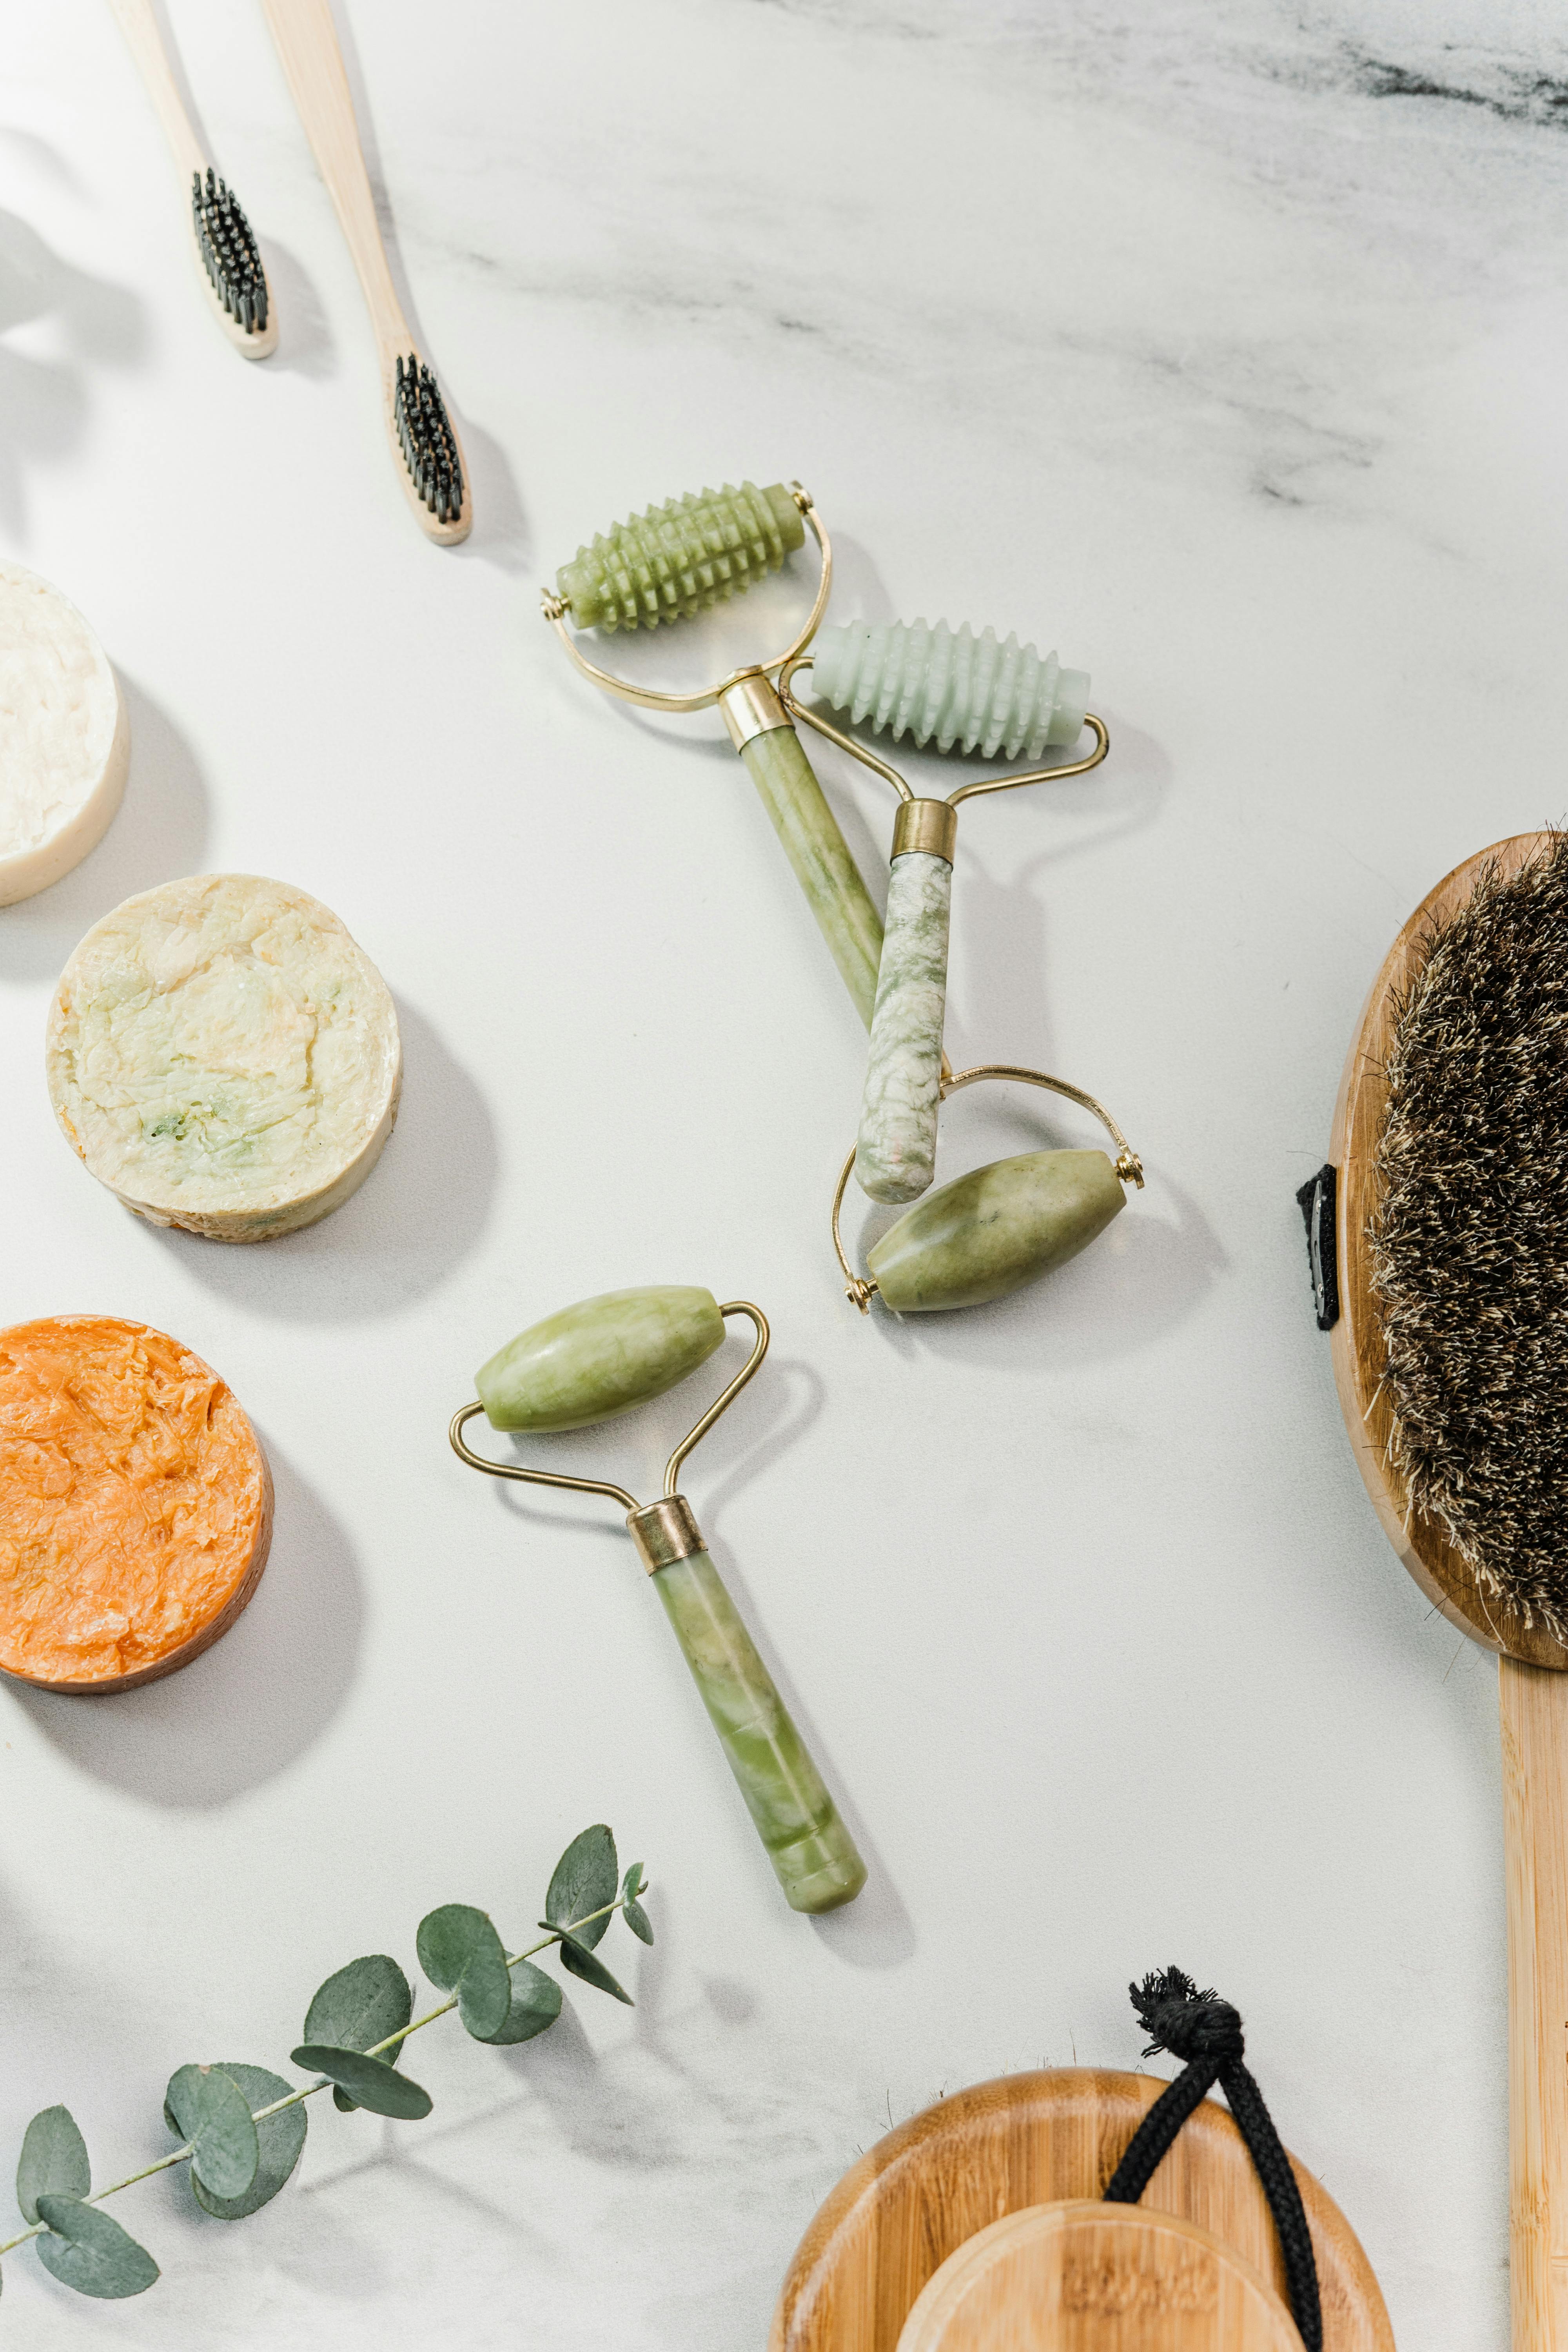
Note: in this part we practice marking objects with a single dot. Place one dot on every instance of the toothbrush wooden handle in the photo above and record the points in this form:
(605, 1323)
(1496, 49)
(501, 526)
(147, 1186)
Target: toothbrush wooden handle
(848, 920)
(811, 1851)
(140, 27)
(312, 62)
(895, 1155)
(1533, 1708)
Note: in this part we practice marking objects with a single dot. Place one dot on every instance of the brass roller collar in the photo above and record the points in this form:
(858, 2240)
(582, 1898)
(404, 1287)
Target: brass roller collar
(664, 1532)
(930, 825)
(751, 706)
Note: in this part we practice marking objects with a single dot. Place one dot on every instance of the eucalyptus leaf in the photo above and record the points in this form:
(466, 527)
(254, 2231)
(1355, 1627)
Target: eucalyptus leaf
(460, 1951)
(83, 2248)
(369, 2081)
(279, 2139)
(357, 2008)
(535, 2004)
(210, 2110)
(579, 1961)
(53, 2161)
(585, 1880)
(632, 1912)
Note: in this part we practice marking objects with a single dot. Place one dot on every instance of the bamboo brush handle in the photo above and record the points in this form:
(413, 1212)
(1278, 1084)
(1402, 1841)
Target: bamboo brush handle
(312, 63)
(140, 27)
(1533, 1708)
(787, 786)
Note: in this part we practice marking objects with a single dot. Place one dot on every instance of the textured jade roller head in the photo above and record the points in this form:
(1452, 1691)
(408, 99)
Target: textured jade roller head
(592, 1362)
(960, 692)
(999, 1227)
(677, 562)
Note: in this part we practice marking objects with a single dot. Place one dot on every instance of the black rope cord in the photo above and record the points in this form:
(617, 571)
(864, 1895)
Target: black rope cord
(1205, 2033)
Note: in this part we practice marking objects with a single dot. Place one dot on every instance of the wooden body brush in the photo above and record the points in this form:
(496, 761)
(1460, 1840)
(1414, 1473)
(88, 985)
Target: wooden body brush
(226, 251)
(424, 438)
(1449, 1352)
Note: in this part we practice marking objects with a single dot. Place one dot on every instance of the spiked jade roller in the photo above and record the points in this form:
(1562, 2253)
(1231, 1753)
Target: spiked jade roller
(682, 559)
(991, 1232)
(590, 1363)
(980, 696)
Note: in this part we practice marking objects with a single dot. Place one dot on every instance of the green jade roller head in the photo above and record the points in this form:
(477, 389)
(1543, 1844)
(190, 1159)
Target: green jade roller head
(591, 1363)
(678, 561)
(999, 1227)
(957, 689)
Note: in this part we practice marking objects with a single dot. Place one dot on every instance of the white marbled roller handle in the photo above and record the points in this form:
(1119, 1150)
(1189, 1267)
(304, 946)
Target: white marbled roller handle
(895, 1154)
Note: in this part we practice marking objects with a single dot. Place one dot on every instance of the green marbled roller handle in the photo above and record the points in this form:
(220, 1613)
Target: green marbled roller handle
(819, 853)
(895, 1156)
(808, 1845)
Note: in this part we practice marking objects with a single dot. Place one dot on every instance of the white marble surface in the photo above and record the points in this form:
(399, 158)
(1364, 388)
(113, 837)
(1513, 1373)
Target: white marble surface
(1224, 347)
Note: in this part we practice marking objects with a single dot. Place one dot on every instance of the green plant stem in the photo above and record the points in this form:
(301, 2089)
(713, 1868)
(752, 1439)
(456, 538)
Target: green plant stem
(184, 2155)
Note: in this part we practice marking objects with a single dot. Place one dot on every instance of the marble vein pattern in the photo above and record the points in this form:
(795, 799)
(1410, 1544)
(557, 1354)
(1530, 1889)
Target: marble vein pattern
(1221, 340)
(895, 1156)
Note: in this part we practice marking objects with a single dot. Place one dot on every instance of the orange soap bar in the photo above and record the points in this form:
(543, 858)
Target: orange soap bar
(135, 1505)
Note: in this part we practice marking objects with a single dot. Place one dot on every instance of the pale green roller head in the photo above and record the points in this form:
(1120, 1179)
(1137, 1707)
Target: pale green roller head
(600, 1358)
(972, 691)
(679, 559)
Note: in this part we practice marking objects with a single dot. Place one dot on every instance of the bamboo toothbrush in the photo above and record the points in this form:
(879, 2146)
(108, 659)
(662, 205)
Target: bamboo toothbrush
(424, 439)
(1440, 1266)
(225, 250)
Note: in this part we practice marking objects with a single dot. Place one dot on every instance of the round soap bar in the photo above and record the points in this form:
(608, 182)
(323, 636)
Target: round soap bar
(65, 741)
(223, 1057)
(600, 1358)
(135, 1505)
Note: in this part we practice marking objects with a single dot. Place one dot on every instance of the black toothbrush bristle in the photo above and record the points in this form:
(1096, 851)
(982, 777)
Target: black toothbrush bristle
(429, 442)
(229, 252)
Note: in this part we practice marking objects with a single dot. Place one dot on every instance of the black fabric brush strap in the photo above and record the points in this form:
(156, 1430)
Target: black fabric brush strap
(1205, 2033)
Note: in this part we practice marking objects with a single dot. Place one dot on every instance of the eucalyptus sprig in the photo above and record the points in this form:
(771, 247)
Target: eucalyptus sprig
(241, 2128)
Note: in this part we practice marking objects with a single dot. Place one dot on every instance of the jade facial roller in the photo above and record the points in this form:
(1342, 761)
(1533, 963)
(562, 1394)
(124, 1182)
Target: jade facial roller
(601, 1359)
(980, 696)
(999, 1227)
(679, 560)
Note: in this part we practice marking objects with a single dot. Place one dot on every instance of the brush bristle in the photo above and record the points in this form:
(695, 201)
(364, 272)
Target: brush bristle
(429, 442)
(1469, 1237)
(229, 252)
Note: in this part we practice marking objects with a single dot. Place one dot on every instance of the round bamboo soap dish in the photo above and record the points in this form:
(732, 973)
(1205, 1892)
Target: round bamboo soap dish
(1040, 2139)
(1085, 2277)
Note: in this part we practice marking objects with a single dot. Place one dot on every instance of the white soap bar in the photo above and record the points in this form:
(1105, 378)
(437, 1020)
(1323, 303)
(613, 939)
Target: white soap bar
(65, 743)
(223, 1057)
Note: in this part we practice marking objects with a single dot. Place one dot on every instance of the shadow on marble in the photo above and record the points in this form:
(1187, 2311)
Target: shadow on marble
(500, 534)
(159, 832)
(44, 401)
(44, 155)
(261, 1696)
(305, 345)
(1155, 1265)
(417, 1214)
(1003, 925)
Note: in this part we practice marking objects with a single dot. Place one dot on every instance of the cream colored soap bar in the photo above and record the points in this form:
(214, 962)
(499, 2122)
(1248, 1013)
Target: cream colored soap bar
(223, 1057)
(65, 743)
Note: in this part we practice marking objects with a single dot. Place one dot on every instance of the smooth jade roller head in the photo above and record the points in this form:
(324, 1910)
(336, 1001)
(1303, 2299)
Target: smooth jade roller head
(600, 1358)
(974, 692)
(993, 1230)
(679, 559)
